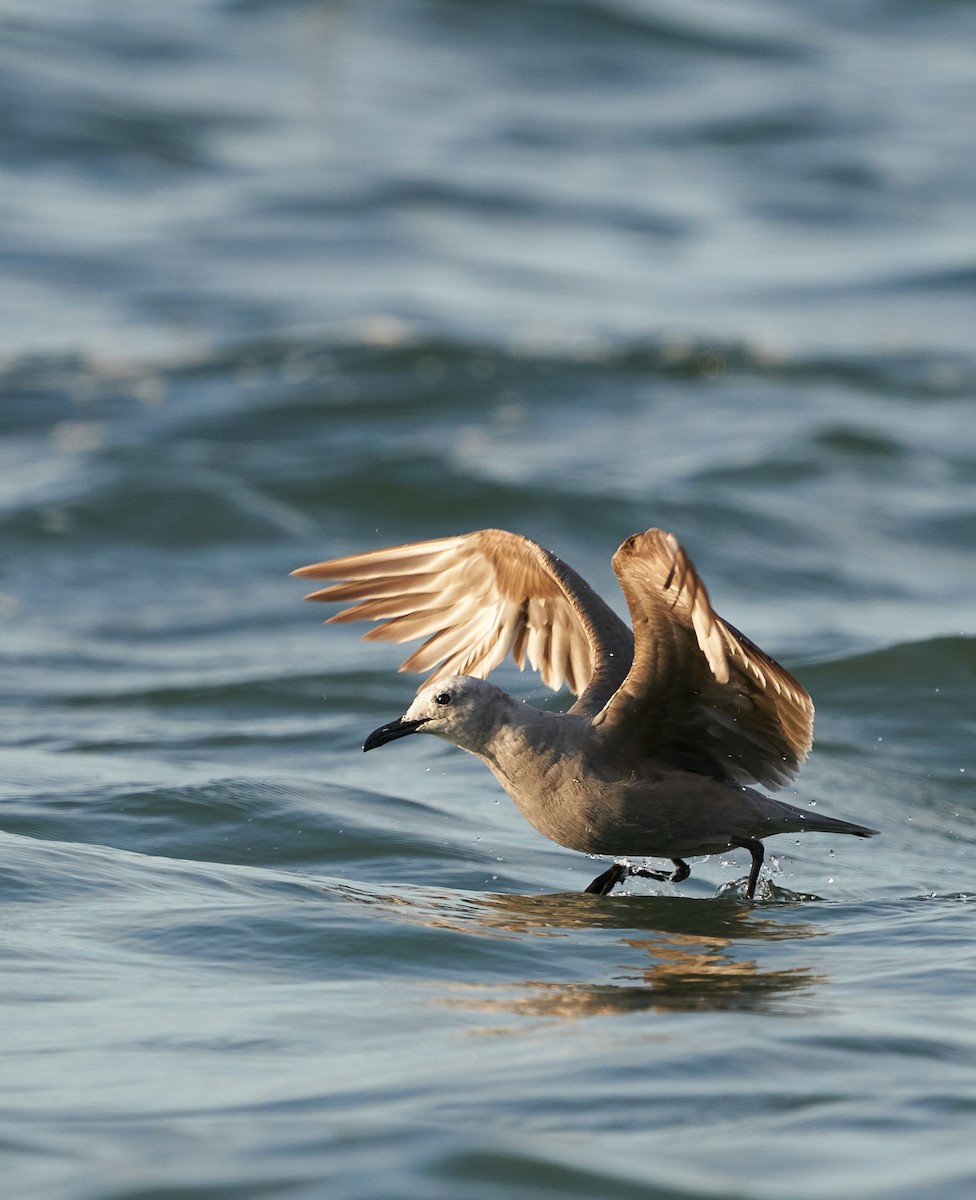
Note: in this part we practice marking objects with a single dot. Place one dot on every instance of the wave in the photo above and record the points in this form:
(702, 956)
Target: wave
(938, 663)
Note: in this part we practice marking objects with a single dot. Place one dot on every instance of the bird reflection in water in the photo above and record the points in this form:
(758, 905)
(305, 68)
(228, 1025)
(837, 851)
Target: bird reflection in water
(694, 950)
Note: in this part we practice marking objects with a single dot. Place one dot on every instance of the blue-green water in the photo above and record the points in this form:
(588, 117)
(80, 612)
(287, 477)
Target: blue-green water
(285, 281)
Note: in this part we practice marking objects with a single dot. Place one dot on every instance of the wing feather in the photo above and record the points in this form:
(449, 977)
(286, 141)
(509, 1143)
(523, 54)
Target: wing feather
(688, 689)
(699, 694)
(476, 598)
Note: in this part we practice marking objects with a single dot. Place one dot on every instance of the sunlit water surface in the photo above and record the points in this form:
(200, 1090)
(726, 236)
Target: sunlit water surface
(285, 281)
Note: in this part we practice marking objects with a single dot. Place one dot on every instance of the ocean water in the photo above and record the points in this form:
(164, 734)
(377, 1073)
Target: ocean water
(282, 281)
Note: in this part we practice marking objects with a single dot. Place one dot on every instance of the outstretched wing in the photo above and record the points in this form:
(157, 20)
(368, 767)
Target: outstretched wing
(699, 694)
(475, 598)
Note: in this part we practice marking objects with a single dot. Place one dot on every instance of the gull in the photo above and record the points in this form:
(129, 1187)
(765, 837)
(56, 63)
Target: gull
(672, 724)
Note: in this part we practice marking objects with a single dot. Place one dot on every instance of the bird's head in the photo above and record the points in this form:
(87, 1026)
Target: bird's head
(461, 709)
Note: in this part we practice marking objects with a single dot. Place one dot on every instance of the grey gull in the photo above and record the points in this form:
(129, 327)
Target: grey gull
(671, 725)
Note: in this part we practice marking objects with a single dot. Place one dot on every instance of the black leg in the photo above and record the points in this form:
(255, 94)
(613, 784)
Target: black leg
(604, 884)
(648, 873)
(681, 871)
(757, 851)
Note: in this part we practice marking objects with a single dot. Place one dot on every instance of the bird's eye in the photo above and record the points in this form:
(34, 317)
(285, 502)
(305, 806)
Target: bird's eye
(443, 698)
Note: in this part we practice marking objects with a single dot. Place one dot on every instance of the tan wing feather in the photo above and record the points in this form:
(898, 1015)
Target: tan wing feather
(700, 694)
(477, 597)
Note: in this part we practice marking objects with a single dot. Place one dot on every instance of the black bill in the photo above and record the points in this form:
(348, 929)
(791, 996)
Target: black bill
(389, 733)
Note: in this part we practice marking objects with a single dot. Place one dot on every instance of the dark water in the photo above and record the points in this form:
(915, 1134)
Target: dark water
(286, 280)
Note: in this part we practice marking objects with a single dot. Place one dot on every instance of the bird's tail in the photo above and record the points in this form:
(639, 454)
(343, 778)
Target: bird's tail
(833, 825)
(796, 820)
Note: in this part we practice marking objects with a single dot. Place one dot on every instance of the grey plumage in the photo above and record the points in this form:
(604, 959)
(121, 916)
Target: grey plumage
(672, 723)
